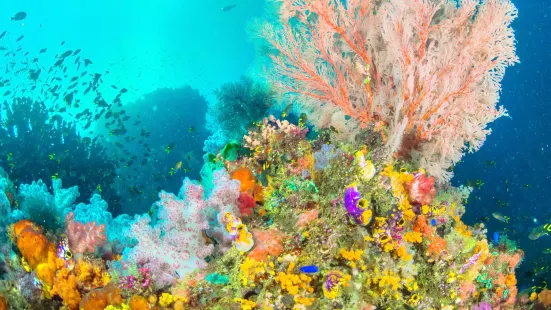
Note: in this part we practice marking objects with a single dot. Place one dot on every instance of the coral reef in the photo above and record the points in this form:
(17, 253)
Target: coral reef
(354, 213)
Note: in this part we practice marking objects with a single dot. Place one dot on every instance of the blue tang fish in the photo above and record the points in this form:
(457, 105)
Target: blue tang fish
(309, 269)
(496, 238)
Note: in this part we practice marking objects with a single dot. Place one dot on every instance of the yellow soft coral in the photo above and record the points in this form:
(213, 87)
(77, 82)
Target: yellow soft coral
(413, 237)
(245, 303)
(403, 254)
(121, 307)
(461, 228)
(351, 255)
(304, 301)
(166, 300)
(91, 273)
(65, 285)
(389, 279)
(292, 283)
(251, 269)
(397, 181)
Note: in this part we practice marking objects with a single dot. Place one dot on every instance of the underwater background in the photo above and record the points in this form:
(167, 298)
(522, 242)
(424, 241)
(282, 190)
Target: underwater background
(157, 71)
(515, 160)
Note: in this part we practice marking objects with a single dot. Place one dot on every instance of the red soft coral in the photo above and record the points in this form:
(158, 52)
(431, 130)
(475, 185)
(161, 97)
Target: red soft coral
(421, 190)
(246, 204)
(84, 238)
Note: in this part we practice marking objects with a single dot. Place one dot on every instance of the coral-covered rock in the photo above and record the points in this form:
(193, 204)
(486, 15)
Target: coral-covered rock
(421, 190)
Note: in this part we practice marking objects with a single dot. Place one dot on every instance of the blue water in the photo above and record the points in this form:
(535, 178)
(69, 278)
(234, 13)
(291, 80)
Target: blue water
(145, 45)
(521, 146)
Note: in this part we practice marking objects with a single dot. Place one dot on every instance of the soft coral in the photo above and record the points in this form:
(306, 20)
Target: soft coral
(246, 204)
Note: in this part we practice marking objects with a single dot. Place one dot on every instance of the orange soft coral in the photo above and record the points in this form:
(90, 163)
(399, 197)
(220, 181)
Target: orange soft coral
(421, 225)
(245, 176)
(100, 298)
(258, 193)
(436, 246)
(511, 280)
(514, 260)
(65, 286)
(266, 242)
(138, 303)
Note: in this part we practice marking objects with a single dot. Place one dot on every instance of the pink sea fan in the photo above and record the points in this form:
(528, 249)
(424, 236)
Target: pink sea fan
(84, 237)
(366, 62)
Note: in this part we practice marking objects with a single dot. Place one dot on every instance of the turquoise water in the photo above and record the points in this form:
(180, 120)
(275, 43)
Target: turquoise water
(145, 45)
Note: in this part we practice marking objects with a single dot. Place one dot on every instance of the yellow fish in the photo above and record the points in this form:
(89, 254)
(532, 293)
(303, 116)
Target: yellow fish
(500, 217)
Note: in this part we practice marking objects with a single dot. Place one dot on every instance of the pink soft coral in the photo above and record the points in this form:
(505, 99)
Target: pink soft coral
(175, 245)
(84, 238)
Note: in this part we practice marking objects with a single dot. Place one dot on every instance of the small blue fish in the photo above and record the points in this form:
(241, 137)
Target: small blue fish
(309, 269)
